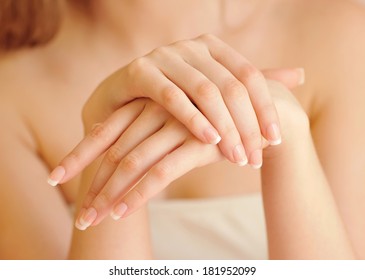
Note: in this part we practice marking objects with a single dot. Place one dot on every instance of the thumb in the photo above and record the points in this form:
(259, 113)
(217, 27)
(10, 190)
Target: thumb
(290, 77)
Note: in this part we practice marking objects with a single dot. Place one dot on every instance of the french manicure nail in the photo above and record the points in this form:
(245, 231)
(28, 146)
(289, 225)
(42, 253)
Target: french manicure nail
(273, 133)
(119, 211)
(56, 176)
(256, 159)
(86, 218)
(212, 136)
(239, 155)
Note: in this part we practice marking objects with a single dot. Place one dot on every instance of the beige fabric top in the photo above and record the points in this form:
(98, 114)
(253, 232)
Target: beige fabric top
(214, 228)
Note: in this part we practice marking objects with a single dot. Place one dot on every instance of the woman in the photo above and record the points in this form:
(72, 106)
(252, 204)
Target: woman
(76, 60)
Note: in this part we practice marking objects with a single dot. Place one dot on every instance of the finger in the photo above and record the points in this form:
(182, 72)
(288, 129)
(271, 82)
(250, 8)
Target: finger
(208, 98)
(154, 84)
(96, 142)
(153, 115)
(237, 100)
(289, 77)
(190, 155)
(255, 83)
(130, 170)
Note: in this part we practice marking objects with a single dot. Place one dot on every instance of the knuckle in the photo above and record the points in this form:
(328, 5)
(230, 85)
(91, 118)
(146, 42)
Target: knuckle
(103, 200)
(193, 119)
(170, 95)
(268, 109)
(248, 72)
(185, 46)
(137, 67)
(234, 89)
(114, 155)
(139, 195)
(131, 163)
(254, 137)
(207, 91)
(91, 195)
(230, 131)
(160, 52)
(100, 131)
(207, 37)
(162, 171)
(72, 160)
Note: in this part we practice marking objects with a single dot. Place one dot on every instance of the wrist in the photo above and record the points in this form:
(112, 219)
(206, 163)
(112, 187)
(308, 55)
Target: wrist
(296, 135)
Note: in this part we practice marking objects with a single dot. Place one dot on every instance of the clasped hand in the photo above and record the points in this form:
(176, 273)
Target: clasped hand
(182, 106)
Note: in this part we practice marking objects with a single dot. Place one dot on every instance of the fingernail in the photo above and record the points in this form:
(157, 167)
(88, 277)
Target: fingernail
(56, 176)
(273, 133)
(86, 218)
(119, 211)
(239, 155)
(212, 136)
(256, 159)
(301, 74)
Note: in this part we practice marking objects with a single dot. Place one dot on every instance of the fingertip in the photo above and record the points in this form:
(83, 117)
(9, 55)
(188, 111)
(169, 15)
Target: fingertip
(239, 155)
(86, 218)
(212, 136)
(119, 211)
(256, 159)
(273, 134)
(56, 176)
(216, 140)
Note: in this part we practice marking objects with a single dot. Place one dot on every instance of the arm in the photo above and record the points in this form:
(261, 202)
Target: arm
(338, 133)
(303, 221)
(338, 126)
(126, 240)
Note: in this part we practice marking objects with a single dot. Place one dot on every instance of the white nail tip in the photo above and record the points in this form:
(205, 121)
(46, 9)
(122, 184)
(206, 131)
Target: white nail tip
(51, 182)
(256, 166)
(275, 143)
(114, 216)
(217, 140)
(82, 225)
(242, 163)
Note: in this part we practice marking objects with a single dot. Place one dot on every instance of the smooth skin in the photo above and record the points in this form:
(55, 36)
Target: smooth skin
(189, 153)
(127, 128)
(46, 84)
(205, 71)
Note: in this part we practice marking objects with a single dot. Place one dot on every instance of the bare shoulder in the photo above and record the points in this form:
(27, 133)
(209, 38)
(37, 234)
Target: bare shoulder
(18, 70)
(340, 14)
(343, 23)
(332, 27)
(332, 38)
(337, 27)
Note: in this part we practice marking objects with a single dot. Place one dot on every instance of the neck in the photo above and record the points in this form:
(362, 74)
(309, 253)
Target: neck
(144, 22)
(138, 26)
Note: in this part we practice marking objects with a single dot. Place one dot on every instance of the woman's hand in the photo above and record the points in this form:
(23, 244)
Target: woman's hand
(150, 153)
(146, 158)
(196, 81)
